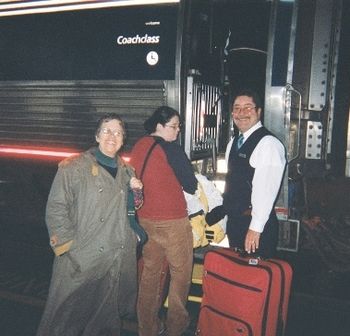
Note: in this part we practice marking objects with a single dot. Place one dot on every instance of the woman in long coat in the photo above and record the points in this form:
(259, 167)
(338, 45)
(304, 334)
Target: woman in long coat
(94, 273)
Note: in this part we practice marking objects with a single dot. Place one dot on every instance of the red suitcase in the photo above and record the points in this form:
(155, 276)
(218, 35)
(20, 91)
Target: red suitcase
(243, 295)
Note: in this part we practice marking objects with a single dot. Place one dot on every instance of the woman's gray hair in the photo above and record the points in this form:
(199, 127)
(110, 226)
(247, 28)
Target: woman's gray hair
(108, 117)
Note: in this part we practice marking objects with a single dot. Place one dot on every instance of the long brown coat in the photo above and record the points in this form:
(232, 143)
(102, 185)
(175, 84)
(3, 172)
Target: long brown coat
(94, 283)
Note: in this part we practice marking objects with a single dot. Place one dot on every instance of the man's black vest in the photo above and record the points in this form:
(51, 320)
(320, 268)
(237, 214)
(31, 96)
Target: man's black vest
(238, 187)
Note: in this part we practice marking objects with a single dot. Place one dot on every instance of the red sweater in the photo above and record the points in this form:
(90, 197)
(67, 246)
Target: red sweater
(163, 194)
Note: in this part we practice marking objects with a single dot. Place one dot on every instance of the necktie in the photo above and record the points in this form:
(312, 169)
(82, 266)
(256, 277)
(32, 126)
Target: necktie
(240, 141)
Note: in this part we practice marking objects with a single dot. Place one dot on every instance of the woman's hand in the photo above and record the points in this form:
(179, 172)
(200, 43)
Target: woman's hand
(53, 240)
(135, 183)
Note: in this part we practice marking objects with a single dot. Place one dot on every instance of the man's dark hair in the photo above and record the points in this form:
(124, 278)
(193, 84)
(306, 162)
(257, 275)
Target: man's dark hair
(249, 93)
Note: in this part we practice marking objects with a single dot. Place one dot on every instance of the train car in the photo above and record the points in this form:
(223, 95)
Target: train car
(63, 64)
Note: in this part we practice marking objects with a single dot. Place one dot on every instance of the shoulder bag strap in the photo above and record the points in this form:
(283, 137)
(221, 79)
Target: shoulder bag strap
(156, 141)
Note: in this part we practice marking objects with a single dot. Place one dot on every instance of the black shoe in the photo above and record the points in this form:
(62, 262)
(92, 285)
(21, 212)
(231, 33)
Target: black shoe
(162, 330)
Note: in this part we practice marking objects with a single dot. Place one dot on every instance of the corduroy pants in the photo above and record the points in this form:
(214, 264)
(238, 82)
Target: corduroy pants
(171, 240)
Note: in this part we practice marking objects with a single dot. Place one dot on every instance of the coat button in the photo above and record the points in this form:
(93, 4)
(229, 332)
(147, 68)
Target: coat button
(102, 220)
(101, 249)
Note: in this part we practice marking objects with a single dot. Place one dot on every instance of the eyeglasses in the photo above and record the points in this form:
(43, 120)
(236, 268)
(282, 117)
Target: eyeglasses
(245, 108)
(116, 133)
(174, 126)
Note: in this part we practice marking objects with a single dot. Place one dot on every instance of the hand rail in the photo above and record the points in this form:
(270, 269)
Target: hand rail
(290, 88)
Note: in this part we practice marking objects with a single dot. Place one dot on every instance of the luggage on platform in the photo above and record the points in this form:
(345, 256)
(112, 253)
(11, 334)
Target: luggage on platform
(243, 295)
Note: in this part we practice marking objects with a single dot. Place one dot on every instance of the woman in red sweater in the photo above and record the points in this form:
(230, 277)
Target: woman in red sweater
(165, 175)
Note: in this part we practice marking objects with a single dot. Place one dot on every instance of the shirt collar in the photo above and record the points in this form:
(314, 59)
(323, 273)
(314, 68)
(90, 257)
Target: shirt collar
(251, 130)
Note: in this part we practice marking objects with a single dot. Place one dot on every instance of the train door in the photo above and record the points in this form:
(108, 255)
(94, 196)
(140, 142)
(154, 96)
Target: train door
(299, 97)
(278, 95)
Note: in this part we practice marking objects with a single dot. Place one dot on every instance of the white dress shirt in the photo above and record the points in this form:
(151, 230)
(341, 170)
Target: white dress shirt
(269, 160)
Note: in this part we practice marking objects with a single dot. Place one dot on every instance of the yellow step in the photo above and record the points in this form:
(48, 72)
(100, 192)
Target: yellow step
(197, 279)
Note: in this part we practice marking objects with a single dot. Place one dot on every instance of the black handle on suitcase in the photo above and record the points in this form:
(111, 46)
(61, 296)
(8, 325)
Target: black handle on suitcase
(253, 256)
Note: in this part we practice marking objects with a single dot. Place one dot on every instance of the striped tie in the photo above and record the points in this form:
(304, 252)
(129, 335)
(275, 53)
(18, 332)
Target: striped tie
(240, 141)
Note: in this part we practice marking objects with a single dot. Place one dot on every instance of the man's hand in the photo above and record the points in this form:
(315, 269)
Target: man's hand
(252, 240)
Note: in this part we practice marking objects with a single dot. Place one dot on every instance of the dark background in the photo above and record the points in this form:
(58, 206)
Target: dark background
(82, 45)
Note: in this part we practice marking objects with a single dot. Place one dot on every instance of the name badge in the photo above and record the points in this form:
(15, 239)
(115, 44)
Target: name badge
(242, 155)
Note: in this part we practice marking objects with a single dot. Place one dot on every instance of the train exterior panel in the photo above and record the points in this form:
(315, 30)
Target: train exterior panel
(65, 65)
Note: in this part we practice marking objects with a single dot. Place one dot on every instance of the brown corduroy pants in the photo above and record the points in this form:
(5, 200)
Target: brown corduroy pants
(172, 240)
